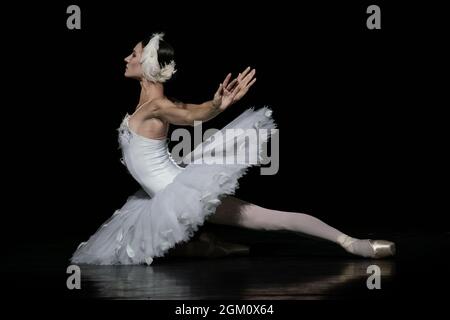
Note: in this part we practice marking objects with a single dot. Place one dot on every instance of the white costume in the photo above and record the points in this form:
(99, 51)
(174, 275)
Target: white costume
(174, 201)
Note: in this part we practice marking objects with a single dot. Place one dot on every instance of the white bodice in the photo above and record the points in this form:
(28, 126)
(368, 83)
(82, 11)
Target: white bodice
(148, 160)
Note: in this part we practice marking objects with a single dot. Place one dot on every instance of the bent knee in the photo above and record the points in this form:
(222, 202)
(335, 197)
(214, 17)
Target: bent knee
(229, 212)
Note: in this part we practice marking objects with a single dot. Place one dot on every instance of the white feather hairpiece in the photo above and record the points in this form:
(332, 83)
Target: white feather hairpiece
(151, 68)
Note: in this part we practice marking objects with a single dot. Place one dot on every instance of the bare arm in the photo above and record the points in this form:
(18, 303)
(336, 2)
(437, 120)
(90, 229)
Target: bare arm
(181, 113)
(186, 114)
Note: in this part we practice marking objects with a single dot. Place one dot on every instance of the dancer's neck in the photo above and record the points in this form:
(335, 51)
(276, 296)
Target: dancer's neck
(150, 91)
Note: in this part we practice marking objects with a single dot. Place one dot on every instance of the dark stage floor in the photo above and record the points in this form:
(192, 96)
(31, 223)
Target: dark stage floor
(280, 266)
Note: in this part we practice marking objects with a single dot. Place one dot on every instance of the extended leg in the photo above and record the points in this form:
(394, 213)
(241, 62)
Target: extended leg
(236, 212)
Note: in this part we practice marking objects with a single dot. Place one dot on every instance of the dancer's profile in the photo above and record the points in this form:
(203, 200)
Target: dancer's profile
(174, 201)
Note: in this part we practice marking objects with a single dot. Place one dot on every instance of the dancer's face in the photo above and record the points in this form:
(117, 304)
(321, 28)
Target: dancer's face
(133, 68)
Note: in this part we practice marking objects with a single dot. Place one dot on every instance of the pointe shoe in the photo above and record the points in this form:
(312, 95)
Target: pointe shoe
(367, 248)
(382, 248)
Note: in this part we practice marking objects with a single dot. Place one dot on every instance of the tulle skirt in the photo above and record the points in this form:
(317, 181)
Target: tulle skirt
(147, 227)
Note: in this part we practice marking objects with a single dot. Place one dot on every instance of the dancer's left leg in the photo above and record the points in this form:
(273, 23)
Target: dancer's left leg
(236, 212)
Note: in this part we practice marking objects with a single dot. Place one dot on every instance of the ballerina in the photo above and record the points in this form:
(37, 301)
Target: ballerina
(174, 201)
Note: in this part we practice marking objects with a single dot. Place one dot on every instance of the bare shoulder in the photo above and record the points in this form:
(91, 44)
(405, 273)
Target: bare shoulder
(160, 107)
(165, 102)
(151, 107)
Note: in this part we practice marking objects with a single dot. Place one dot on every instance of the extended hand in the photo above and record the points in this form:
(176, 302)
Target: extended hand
(231, 92)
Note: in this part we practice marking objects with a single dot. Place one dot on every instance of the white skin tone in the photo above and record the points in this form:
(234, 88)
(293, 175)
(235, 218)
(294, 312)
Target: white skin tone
(151, 119)
(155, 112)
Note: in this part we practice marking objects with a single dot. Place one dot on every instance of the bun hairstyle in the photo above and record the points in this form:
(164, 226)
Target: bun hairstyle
(157, 59)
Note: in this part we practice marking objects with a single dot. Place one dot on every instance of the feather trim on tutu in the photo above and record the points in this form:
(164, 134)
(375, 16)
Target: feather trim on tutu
(147, 227)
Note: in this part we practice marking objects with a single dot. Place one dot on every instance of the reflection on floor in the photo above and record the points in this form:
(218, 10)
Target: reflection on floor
(279, 267)
(234, 278)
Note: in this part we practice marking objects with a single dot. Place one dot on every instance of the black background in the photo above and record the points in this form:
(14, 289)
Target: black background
(360, 112)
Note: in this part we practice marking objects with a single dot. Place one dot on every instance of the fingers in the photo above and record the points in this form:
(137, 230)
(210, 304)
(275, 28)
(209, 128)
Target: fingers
(232, 84)
(219, 91)
(248, 78)
(227, 79)
(242, 91)
(251, 83)
(233, 97)
(238, 87)
(235, 91)
(244, 73)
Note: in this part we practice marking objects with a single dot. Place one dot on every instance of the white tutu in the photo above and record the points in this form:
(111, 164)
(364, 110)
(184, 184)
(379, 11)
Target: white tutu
(147, 226)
